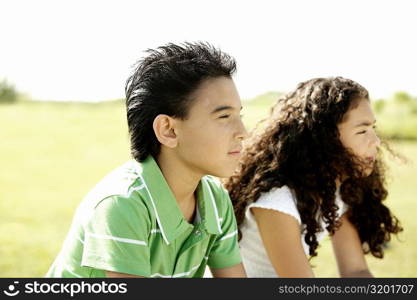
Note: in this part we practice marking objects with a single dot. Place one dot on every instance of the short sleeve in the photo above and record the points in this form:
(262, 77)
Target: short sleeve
(225, 251)
(343, 207)
(279, 199)
(116, 237)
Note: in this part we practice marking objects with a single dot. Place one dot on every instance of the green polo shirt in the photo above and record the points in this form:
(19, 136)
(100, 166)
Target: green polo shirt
(131, 223)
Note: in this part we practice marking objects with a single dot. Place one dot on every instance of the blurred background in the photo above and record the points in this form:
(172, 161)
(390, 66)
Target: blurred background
(63, 65)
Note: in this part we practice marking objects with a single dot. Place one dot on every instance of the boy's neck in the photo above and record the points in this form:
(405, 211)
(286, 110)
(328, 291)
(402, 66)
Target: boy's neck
(182, 181)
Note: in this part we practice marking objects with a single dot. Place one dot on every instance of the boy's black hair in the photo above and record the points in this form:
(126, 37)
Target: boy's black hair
(162, 83)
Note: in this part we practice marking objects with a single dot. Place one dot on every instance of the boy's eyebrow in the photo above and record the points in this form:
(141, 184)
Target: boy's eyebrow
(365, 123)
(224, 107)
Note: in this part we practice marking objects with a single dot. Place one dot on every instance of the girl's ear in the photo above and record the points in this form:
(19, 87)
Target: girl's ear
(163, 126)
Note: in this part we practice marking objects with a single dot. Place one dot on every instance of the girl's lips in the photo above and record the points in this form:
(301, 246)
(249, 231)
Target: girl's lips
(234, 153)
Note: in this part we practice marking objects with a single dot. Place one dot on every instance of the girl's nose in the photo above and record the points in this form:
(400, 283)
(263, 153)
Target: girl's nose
(376, 140)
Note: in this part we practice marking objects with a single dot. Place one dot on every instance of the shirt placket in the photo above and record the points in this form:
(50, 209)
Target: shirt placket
(197, 237)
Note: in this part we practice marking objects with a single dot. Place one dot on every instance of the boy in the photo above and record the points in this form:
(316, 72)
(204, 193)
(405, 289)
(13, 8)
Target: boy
(159, 215)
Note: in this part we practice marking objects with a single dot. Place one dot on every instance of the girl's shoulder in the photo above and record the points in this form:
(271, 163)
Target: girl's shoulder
(343, 207)
(283, 193)
(281, 199)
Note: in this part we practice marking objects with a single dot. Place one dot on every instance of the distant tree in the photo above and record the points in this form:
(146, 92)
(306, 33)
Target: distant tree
(8, 93)
(414, 107)
(379, 105)
(402, 97)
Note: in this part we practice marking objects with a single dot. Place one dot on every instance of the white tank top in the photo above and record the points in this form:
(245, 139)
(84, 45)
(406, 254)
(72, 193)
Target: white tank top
(254, 256)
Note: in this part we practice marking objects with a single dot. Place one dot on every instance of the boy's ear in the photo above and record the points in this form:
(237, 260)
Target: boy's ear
(163, 126)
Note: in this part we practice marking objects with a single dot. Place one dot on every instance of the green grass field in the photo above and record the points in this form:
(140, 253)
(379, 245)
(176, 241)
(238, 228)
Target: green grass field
(53, 153)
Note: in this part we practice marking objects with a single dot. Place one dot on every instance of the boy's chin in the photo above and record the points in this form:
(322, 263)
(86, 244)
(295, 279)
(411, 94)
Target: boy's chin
(222, 173)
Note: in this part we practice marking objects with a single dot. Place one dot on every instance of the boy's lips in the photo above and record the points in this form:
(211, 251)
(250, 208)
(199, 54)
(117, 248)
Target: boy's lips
(234, 152)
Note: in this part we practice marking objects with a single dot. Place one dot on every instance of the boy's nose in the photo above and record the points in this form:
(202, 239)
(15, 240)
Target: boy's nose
(242, 133)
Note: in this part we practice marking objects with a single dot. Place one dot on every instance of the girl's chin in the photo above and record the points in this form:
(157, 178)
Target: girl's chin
(367, 171)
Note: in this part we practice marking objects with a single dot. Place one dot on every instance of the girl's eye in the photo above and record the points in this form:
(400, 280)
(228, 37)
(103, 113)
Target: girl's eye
(224, 116)
(361, 132)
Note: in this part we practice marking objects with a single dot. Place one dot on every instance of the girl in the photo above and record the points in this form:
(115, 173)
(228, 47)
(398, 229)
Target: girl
(314, 169)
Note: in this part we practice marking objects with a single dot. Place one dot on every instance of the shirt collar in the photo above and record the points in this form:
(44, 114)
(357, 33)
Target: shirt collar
(169, 216)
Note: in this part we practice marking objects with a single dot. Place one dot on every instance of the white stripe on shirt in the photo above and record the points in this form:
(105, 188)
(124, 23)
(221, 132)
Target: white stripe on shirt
(114, 238)
(228, 236)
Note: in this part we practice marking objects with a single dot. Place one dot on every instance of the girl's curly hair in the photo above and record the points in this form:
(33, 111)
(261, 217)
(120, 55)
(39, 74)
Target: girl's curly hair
(299, 147)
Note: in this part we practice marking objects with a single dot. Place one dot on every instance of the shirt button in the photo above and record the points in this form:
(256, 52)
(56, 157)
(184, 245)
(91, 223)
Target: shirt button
(197, 232)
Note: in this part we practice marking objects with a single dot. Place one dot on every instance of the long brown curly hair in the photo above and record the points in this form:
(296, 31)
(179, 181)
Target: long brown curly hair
(299, 146)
